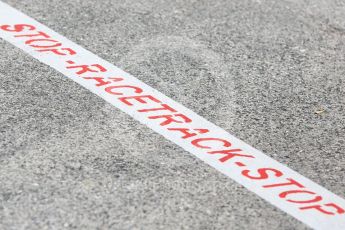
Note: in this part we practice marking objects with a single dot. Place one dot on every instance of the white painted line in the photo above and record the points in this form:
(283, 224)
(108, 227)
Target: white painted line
(276, 183)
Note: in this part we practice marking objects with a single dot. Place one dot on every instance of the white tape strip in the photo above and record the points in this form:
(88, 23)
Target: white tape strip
(276, 183)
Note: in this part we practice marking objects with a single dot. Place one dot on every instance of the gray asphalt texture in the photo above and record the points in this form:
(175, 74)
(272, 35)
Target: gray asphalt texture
(259, 69)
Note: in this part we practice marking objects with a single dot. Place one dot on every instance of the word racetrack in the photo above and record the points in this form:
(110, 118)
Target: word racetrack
(276, 183)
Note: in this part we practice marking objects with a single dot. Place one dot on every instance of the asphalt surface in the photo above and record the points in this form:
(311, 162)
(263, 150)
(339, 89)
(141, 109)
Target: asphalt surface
(269, 72)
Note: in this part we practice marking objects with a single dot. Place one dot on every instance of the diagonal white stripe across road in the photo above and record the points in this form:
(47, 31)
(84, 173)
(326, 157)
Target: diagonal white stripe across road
(279, 185)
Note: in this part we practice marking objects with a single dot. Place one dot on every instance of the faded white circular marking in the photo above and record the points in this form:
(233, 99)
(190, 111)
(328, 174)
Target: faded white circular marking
(188, 72)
